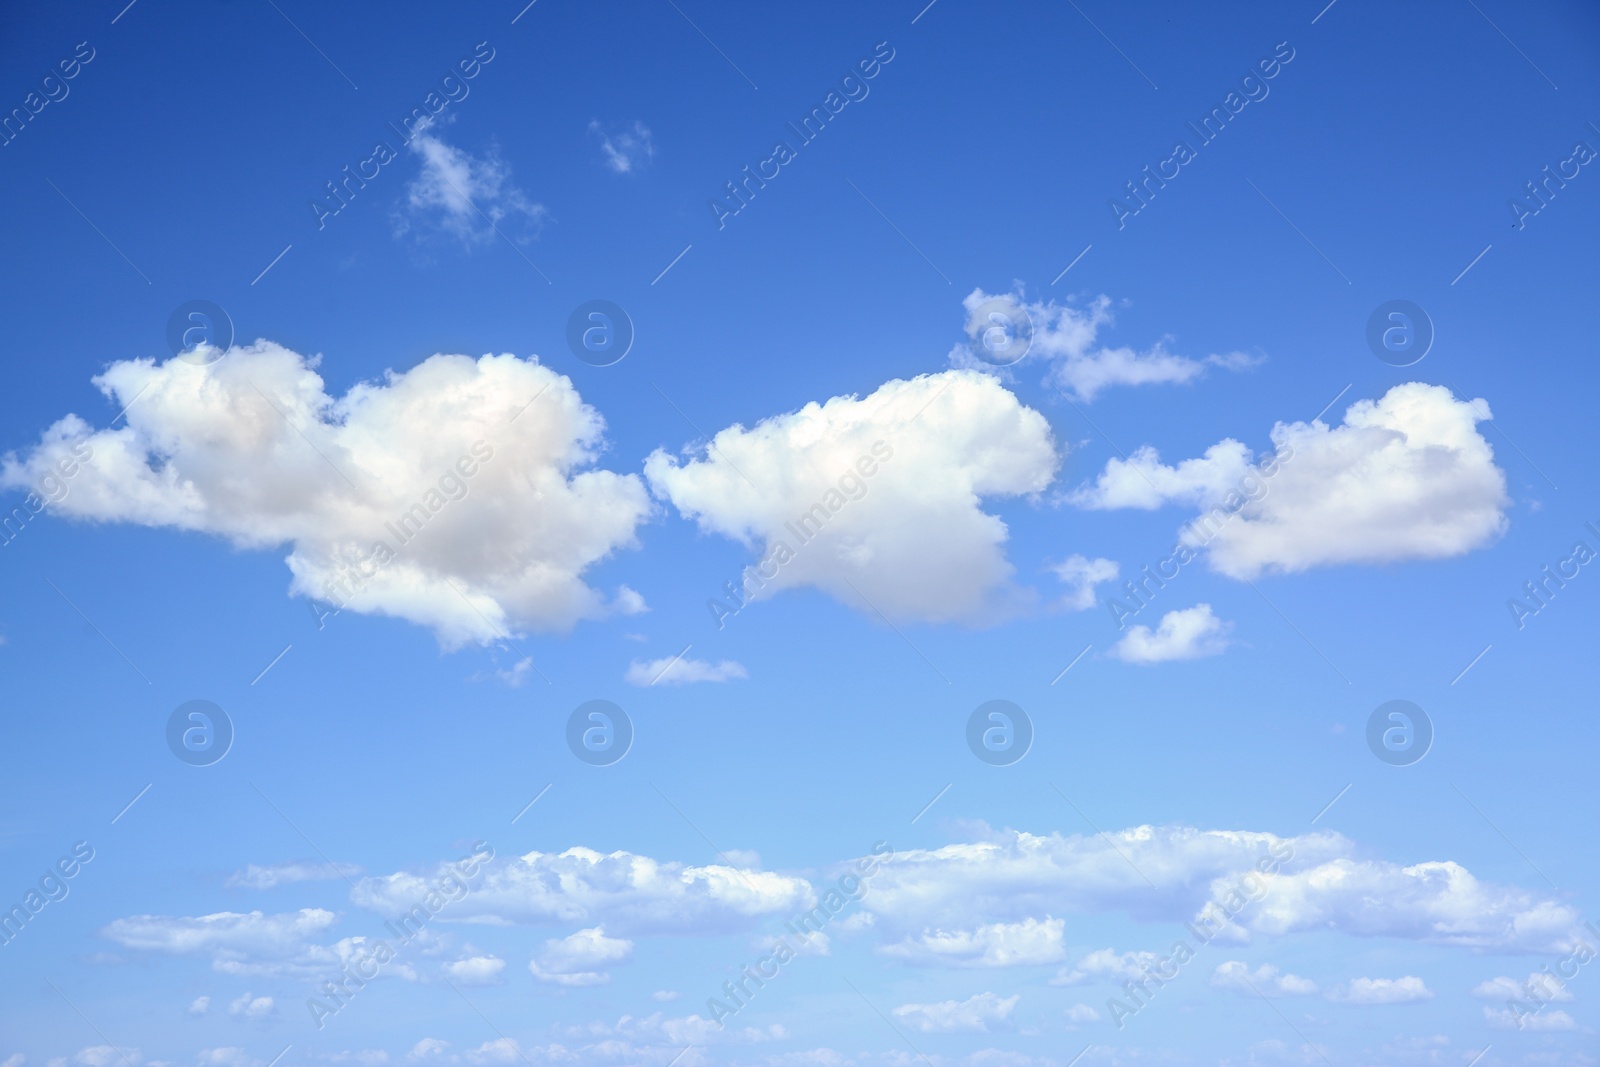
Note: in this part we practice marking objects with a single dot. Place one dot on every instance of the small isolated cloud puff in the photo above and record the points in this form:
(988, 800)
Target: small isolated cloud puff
(1407, 990)
(476, 970)
(198, 1006)
(1029, 943)
(1080, 575)
(427, 1047)
(976, 1014)
(1190, 633)
(1265, 980)
(1064, 337)
(464, 196)
(250, 1007)
(1407, 476)
(627, 148)
(453, 495)
(845, 496)
(276, 874)
(682, 671)
(579, 959)
(1105, 965)
(1082, 1013)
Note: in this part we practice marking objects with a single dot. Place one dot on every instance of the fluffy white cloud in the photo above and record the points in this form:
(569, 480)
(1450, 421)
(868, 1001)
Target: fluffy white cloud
(427, 1047)
(200, 1006)
(106, 1056)
(1021, 944)
(620, 890)
(476, 970)
(276, 874)
(1064, 337)
(1080, 575)
(1539, 984)
(467, 197)
(229, 1056)
(1190, 633)
(1407, 990)
(671, 670)
(249, 1007)
(844, 496)
(1082, 1013)
(1321, 882)
(1407, 476)
(580, 959)
(252, 448)
(627, 148)
(977, 1013)
(1265, 979)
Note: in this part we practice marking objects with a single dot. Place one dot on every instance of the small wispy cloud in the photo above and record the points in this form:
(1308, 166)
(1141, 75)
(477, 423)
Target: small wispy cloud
(470, 198)
(682, 671)
(625, 149)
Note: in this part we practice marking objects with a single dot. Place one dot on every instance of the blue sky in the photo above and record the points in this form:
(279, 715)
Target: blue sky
(178, 525)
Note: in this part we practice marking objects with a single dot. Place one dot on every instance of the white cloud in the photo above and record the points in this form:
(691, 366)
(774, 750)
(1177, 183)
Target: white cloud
(276, 874)
(428, 1046)
(1082, 1013)
(1407, 476)
(843, 496)
(665, 995)
(500, 1050)
(476, 970)
(1265, 980)
(200, 1006)
(467, 197)
(1407, 990)
(1506, 1019)
(106, 1056)
(1190, 633)
(1080, 575)
(620, 890)
(977, 1013)
(627, 148)
(248, 1007)
(1064, 337)
(1322, 882)
(1105, 965)
(16, 1059)
(1539, 984)
(228, 1056)
(1022, 944)
(580, 959)
(252, 448)
(234, 940)
(671, 670)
